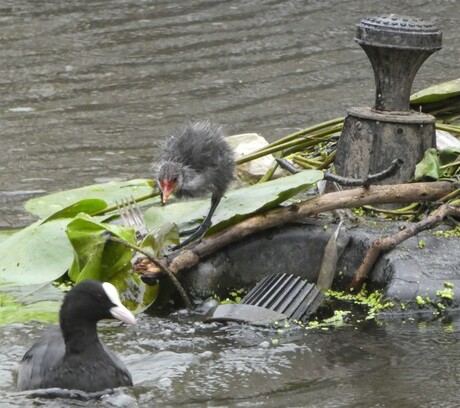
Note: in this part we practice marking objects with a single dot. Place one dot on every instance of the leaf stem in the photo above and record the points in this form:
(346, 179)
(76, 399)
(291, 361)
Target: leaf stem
(162, 267)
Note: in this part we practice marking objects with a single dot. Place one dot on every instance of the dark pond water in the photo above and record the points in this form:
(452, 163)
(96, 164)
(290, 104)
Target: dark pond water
(89, 87)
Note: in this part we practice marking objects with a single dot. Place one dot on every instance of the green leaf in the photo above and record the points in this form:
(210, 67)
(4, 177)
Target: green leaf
(109, 192)
(12, 312)
(449, 154)
(105, 260)
(95, 256)
(429, 167)
(5, 234)
(437, 92)
(87, 206)
(36, 254)
(22, 304)
(236, 205)
(165, 235)
(134, 294)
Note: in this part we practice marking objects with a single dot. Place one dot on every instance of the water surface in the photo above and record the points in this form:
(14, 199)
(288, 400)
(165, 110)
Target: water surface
(88, 88)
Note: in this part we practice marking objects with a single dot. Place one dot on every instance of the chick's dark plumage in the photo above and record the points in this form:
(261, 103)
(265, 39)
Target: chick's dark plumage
(195, 161)
(202, 159)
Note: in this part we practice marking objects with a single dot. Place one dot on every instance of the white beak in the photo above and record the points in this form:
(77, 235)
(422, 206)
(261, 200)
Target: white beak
(119, 311)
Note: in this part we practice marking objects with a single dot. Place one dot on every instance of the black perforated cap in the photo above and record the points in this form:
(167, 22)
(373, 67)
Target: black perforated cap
(398, 32)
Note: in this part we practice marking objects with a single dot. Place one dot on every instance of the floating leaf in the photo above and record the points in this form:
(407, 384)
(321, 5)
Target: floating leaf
(87, 206)
(5, 234)
(109, 192)
(38, 253)
(12, 312)
(236, 205)
(22, 304)
(429, 167)
(437, 92)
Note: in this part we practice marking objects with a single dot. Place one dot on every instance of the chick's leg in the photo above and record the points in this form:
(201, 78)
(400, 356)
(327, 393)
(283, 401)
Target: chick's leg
(203, 227)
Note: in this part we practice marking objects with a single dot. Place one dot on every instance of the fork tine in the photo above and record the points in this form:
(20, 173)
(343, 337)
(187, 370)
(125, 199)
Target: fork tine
(122, 212)
(137, 215)
(140, 218)
(132, 216)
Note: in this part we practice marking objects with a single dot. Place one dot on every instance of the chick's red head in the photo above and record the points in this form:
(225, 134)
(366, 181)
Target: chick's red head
(168, 177)
(168, 187)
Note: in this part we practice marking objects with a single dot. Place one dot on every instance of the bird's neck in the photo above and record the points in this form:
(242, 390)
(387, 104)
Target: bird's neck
(79, 335)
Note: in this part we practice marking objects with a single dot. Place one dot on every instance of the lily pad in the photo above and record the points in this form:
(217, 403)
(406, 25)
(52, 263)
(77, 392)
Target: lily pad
(38, 253)
(236, 205)
(22, 304)
(449, 154)
(437, 92)
(5, 234)
(43, 311)
(110, 192)
(161, 237)
(87, 206)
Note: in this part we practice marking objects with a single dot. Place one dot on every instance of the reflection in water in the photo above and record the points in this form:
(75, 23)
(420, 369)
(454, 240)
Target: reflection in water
(87, 90)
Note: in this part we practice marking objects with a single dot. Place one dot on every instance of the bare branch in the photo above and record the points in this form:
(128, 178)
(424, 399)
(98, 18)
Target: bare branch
(370, 179)
(385, 244)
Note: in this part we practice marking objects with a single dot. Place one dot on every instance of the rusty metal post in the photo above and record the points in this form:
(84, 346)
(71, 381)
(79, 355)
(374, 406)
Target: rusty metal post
(373, 137)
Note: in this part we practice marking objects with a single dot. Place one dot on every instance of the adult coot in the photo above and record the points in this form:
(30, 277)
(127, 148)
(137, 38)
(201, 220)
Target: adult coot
(195, 161)
(71, 356)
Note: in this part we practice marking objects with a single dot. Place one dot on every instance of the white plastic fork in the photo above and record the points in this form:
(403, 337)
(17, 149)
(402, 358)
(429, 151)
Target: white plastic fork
(131, 216)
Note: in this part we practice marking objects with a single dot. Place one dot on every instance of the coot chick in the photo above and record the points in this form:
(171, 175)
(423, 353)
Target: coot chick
(72, 356)
(195, 161)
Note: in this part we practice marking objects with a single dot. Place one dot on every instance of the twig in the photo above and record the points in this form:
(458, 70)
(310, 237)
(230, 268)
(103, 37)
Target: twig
(370, 179)
(388, 243)
(284, 164)
(349, 182)
(160, 265)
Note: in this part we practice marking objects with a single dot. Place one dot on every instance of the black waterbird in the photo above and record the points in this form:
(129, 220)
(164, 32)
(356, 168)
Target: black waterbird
(71, 356)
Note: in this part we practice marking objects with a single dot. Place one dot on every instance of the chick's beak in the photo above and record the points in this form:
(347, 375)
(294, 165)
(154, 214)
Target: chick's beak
(168, 187)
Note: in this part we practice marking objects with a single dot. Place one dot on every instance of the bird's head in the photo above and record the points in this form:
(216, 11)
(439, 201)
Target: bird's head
(168, 180)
